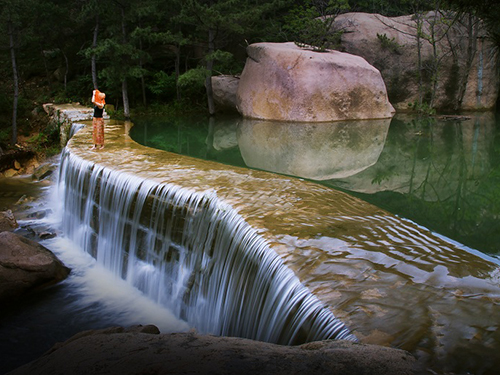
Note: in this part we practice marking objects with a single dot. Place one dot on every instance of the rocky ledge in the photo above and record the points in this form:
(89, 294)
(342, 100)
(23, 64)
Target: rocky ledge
(143, 350)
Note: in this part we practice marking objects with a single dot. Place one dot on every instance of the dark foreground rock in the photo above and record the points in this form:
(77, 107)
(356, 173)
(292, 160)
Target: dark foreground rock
(26, 265)
(142, 350)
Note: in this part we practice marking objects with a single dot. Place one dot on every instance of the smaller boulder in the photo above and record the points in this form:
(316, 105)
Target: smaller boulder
(26, 265)
(8, 221)
(224, 89)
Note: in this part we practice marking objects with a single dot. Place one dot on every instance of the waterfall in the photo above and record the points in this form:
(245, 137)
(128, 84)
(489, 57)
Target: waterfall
(190, 252)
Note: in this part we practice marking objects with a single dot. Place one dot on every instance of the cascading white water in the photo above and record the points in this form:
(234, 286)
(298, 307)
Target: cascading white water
(192, 253)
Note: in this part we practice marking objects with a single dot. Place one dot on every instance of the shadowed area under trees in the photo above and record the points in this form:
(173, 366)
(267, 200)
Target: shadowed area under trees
(154, 55)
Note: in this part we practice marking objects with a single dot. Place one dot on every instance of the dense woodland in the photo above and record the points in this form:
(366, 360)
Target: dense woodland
(157, 55)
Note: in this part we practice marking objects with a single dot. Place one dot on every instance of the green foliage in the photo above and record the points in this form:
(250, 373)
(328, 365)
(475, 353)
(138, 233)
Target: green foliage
(422, 108)
(311, 24)
(192, 83)
(46, 141)
(389, 44)
(224, 62)
(5, 110)
(162, 84)
(487, 10)
(4, 136)
(151, 42)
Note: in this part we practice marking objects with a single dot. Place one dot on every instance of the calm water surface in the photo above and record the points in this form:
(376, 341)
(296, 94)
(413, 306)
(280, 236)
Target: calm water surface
(443, 173)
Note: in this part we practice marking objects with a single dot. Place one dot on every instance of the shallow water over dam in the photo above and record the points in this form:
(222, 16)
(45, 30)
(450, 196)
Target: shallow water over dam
(389, 280)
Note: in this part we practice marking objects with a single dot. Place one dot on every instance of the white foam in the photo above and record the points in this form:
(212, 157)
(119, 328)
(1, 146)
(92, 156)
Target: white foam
(114, 297)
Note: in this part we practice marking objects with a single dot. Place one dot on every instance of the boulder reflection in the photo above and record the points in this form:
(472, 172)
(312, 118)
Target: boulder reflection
(318, 151)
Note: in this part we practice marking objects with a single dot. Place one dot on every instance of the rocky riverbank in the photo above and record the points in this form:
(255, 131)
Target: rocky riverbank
(143, 350)
(26, 266)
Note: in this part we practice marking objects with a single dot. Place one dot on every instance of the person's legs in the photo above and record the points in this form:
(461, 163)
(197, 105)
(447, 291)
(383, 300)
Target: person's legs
(99, 141)
(94, 132)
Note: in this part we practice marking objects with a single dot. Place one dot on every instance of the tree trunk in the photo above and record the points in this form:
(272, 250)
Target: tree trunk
(143, 83)
(47, 74)
(472, 28)
(66, 72)
(16, 83)
(419, 60)
(126, 108)
(93, 60)
(435, 61)
(208, 79)
(177, 71)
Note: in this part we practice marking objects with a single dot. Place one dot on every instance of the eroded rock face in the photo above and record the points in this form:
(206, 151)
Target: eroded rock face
(142, 350)
(283, 82)
(26, 265)
(463, 62)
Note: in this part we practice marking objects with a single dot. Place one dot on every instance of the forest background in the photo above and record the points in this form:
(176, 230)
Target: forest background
(156, 56)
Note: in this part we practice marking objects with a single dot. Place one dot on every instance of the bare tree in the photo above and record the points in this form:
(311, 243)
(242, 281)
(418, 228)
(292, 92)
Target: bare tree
(10, 28)
(93, 58)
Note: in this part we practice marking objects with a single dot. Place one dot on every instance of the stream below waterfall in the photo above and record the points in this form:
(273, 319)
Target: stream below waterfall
(444, 176)
(90, 298)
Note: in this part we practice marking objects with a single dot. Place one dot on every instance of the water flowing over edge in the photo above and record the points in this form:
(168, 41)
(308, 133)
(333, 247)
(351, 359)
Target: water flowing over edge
(189, 252)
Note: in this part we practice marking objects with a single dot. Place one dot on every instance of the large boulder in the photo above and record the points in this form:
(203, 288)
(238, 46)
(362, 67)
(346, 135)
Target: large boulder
(284, 82)
(26, 265)
(456, 71)
(142, 350)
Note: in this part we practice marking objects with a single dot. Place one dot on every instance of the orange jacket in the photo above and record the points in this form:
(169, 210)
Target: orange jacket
(98, 98)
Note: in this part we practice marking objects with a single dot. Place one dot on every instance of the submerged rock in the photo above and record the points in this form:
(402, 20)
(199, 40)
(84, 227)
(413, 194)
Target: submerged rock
(26, 265)
(284, 82)
(142, 350)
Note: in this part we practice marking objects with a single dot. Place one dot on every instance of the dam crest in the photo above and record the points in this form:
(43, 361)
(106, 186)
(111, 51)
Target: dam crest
(186, 249)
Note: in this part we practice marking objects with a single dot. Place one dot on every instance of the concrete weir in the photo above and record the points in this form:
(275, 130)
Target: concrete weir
(177, 228)
(241, 252)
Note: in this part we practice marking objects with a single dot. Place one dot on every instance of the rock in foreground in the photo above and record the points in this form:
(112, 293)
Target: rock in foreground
(26, 265)
(283, 82)
(141, 350)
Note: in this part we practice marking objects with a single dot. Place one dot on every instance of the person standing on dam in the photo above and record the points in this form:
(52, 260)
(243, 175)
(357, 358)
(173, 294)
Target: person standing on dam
(98, 99)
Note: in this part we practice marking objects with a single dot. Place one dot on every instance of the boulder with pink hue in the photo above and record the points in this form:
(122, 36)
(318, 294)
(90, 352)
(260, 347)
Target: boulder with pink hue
(284, 82)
